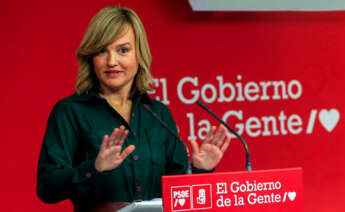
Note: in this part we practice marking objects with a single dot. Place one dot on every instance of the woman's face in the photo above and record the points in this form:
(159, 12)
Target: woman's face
(116, 65)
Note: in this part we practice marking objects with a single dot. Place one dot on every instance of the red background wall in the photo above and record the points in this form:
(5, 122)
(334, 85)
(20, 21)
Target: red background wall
(39, 40)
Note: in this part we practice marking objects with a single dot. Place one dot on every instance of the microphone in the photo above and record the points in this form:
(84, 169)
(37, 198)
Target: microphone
(189, 165)
(248, 165)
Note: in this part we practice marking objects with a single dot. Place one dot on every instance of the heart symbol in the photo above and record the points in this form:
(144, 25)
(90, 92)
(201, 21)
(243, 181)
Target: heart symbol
(292, 195)
(181, 201)
(329, 119)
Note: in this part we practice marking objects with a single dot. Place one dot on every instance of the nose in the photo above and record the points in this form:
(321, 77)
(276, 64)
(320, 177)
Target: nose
(112, 59)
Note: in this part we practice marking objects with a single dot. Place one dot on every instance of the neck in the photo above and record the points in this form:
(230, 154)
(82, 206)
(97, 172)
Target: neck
(119, 102)
(120, 97)
(116, 98)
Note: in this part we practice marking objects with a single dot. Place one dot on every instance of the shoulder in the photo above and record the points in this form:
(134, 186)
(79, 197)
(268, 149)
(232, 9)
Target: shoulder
(67, 104)
(65, 101)
(77, 99)
(155, 105)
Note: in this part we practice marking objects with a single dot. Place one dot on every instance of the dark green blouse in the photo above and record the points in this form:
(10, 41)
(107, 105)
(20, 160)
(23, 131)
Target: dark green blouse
(75, 130)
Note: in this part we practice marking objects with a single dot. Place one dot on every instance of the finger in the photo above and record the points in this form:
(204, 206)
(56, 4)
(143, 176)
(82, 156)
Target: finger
(209, 135)
(104, 143)
(119, 135)
(113, 136)
(226, 143)
(123, 137)
(195, 147)
(122, 128)
(127, 151)
(221, 135)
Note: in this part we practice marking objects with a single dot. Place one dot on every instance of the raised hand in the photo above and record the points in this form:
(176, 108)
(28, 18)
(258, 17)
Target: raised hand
(211, 150)
(110, 156)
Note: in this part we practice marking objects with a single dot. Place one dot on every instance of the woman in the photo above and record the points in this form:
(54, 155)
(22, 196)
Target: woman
(101, 145)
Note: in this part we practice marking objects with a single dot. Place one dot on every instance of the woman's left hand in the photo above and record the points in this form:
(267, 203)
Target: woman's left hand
(210, 152)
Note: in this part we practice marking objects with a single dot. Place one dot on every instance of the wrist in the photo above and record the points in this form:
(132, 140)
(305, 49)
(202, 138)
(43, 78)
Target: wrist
(98, 167)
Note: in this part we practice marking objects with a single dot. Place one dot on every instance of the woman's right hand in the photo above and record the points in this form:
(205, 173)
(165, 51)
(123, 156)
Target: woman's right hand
(110, 156)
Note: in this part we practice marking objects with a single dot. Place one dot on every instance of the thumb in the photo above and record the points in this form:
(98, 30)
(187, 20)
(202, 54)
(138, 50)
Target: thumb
(195, 147)
(127, 151)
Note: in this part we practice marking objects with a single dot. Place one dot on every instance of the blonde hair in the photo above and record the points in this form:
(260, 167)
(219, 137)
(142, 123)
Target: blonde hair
(105, 27)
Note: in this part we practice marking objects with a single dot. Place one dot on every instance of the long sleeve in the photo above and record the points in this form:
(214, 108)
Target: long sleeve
(58, 175)
(75, 129)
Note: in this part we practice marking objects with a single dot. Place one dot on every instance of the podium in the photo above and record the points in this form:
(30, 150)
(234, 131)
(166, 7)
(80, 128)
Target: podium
(267, 190)
(143, 206)
(278, 190)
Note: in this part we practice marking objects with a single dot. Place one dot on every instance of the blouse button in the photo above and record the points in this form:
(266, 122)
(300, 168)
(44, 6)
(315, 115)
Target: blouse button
(136, 157)
(132, 114)
(88, 175)
(138, 188)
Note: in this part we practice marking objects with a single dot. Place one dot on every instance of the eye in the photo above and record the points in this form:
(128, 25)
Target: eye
(102, 51)
(123, 50)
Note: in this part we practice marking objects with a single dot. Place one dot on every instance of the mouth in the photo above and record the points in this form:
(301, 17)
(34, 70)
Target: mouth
(113, 73)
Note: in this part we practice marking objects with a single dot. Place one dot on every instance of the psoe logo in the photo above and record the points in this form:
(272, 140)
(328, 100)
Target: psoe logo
(181, 198)
(202, 196)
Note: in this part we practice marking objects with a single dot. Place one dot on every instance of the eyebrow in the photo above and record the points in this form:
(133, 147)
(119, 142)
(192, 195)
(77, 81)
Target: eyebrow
(123, 44)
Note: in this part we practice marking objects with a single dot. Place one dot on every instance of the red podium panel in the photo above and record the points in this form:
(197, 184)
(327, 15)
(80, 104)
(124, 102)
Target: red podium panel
(267, 190)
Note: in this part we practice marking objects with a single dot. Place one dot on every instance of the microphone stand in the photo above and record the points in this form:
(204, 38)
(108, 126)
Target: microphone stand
(248, 163)
(189, 165)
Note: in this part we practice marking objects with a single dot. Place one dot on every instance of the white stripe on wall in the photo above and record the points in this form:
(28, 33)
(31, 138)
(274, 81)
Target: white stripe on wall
(267, 5)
